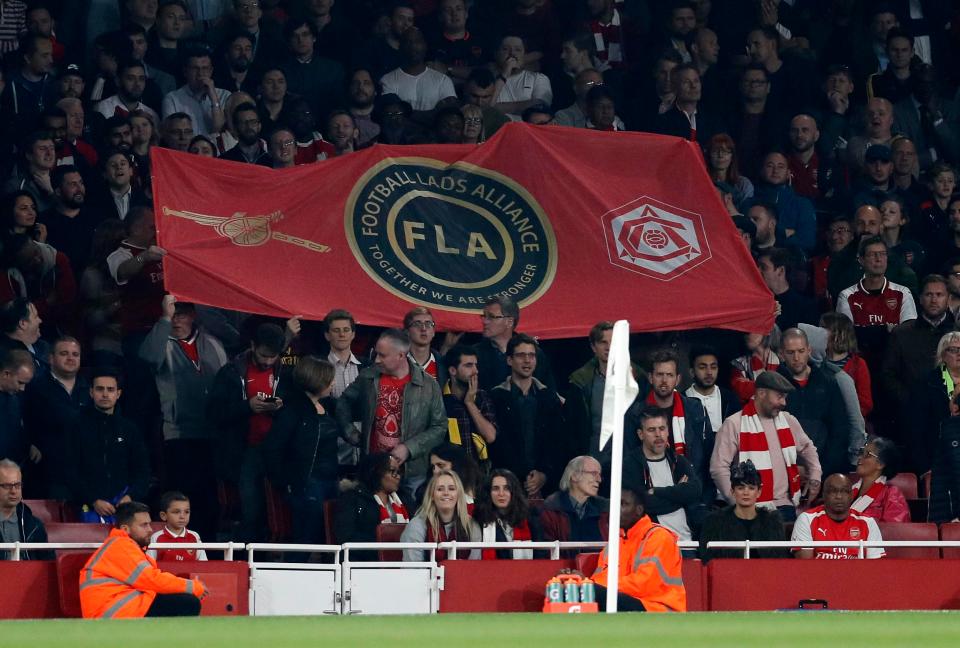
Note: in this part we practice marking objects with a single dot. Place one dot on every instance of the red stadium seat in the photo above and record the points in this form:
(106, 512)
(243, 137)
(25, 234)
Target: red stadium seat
(329, 511)
(907, 483)
(77, 532)
(278, 514)
(927, 477)
(157, 525)
(587, 563)
(950, 531)
(390, 532)
(69, 565)
(46, 510)
(910, 531)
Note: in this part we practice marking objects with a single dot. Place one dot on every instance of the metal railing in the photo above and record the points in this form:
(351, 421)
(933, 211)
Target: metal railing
(861, 545)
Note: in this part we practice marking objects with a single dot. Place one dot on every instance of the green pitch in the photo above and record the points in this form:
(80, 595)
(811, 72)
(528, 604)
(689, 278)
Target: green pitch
(770, 630)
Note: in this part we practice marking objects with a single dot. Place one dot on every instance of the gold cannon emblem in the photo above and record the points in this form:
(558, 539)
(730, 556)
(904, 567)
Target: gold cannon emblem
(247, 231)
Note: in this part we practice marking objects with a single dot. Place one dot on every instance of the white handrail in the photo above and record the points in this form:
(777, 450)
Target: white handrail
(16, 547)
(747, 545)
(555, 546)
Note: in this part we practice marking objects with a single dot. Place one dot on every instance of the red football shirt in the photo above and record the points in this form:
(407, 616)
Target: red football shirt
(815, 525)
(259, 382)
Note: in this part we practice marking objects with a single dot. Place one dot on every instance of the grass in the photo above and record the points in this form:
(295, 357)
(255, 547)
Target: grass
(767, 629)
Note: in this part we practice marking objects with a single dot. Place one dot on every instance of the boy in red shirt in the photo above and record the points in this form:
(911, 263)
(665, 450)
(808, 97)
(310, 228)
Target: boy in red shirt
(175, 513)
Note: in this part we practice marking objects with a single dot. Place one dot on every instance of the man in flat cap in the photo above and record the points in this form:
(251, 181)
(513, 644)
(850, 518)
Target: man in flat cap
(776, 444)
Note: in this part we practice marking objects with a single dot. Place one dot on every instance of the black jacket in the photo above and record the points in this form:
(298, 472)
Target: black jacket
(14, 442)
(549, 442)
(725, 525)
(674, 122)
(31, 530)
(945, 484)
(229, 411)
(358, 516)
(822, 413)
(301, 443)
(494, 369)
(927, 410)
(110, 457)
(667, 499)
(48, 414)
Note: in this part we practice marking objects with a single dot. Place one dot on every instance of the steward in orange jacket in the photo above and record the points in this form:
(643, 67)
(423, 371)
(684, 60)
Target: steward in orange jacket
(121, 581)
(651, 578)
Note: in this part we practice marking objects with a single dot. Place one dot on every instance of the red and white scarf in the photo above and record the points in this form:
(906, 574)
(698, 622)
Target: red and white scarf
(521, 533)
(863, 502)
(753, 446)
(399, 510)
(677, 424)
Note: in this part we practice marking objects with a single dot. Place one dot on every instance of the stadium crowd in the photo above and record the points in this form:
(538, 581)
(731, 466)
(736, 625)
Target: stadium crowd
(831, 130)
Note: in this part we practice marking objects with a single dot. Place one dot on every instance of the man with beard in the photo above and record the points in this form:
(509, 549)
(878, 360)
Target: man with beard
(812, 177)
(69, 225)
(235, 75)
(318, 80)
(421, 86)
(120, 580)
(118, 133)
(718, 402)
(310, 143)
(342, 132)
(362, 94)
(471, 417)
(250, 148)
(131, 83)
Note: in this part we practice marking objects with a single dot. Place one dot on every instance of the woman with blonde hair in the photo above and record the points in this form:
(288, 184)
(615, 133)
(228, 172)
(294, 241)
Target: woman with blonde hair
(472, 124)
(442, 517)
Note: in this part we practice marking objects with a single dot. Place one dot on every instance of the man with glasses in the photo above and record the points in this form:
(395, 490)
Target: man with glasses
(530, 437)
(282, 149)
(199, 98)
(471, 418)
(576, 513)
(421, 328)
(249, 148)
(575, 115)
(500, 318)
(17, 522)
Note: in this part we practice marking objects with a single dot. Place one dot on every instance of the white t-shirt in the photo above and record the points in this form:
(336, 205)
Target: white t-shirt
(660, 475)
(711, 404)
(526, 86)
(423, 91)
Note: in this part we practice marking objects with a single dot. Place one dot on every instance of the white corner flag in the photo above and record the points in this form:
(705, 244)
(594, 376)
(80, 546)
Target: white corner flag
(619, 392)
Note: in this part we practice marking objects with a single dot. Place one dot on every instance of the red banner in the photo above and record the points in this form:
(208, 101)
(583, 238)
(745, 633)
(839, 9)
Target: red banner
(577, 226)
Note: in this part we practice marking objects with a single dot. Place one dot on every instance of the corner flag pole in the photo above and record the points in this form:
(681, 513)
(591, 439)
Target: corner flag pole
(619, 391)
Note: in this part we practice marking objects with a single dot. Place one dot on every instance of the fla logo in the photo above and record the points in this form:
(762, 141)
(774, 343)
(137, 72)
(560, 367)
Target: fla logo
(449, 235)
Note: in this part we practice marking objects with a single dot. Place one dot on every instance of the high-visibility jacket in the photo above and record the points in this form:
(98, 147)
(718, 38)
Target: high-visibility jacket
(121, 581)
(650, 567)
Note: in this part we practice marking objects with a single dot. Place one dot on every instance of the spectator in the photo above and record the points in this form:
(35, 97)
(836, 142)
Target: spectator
(894, 83)
(318, 80)
(243, 405)
(442, 517)
(471, 414)
(872, 495)
(755, 123)
(576, 56)
(903, 152)
(16, 372)
(31, 89)
(944, 502)
(539, 115)
(281, 148)
(38, 272)
(176, 131)
(933, 222)
(948, 245)
(111, 462)
(238, 73)
(704, 55)
(537, 26)
(100, 297)
(877, 178)
(530, 434)
(455, 51)
(135, 267)
(340, 329)
(33, 173)
(50, 405)
(795, 213)
(158, 82)
(311, 147)
(131, 83)
(413, 81)
(652, 582)
(575, 115)
(448, 456)
(375, 499)
(250, 148)
(773, 440)
(576, 513)
(362, 96)
(721, 158)
(300, 452)
(743, 520)
(175, 515)
(274, 97)
(811, 177)
(789, 80)
(17, 522)
(472, 124)
(21, 331)
(679, 21)
(878, 129)
(198, 98)
(615, 35)
(912, 346)
(20, 216)
(399, 407)
(930, 404)
(479, 90)
(928, 119)
(517, 89)
(166, 35)
(118, 196)
(835, 521)
(334, 31)
(69, 224)
(685, 119)
(382, 54)
(775, 265)
(343, 134)
(76, 128)
(118, 133)
(718, 402)
(761, 356)
(117, 584)
(655, 97)
(500, 318)
(839, 236)
(690, 432)
(765, 218)
(842, 353)
(185, 360)
(601, 111)
(672, 487)
(503, 515)
(895, 222)
(448, 126)
(247, 17)
(72, 84)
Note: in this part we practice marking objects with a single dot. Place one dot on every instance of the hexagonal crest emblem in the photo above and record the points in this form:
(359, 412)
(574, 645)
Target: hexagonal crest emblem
(655, 239)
